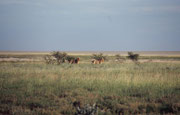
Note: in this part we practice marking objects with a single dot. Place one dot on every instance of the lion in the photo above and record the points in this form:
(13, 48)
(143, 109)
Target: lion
(97, 61)
(74, 61)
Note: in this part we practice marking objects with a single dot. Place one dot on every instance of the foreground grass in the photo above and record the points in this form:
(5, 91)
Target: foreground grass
(124, 88)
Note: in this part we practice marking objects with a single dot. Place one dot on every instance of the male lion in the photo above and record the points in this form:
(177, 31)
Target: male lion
(74, 60)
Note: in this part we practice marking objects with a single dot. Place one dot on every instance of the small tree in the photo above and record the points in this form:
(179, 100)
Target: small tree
(60, 57)
(99, 56)
(132, 56)
(70, 58)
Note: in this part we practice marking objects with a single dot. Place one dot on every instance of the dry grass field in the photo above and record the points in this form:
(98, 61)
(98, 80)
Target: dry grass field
(30, 86)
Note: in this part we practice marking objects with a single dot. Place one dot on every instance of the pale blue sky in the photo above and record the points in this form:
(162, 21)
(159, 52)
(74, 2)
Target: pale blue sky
(90, 25)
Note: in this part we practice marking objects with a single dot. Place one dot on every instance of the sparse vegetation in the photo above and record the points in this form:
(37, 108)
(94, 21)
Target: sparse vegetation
(49, 59)
(99, 56)
(60, 56)
(69, 58)
(110, 88)
(132, 56)
(119, 58)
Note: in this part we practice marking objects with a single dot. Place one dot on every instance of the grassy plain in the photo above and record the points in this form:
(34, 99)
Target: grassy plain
(33, 87)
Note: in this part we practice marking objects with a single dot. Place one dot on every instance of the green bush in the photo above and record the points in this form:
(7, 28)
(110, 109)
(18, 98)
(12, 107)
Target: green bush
(99, 56)
(69, 58)
(132, 56)
(60, 56)
(56, 57)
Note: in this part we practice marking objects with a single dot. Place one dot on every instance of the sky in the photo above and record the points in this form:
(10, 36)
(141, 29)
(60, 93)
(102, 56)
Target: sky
(89, 25)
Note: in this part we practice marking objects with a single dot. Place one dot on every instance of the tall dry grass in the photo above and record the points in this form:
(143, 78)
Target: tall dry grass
(116, 88)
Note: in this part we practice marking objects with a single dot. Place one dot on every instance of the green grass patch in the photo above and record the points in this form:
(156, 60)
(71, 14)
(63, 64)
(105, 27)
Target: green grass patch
(125, 88)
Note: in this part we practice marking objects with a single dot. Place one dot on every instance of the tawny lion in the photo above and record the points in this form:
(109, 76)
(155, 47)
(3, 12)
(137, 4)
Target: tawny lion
(97, 61)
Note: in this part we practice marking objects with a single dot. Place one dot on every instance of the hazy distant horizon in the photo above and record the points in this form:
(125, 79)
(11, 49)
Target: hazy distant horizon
(110, 53)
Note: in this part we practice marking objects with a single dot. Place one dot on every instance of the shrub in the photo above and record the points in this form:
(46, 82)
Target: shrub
(56, 56)
(99, 56)
(60, 56)
(69, 58)
(49, 59)
(132, 56)
(72, 59)
(87, 110)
